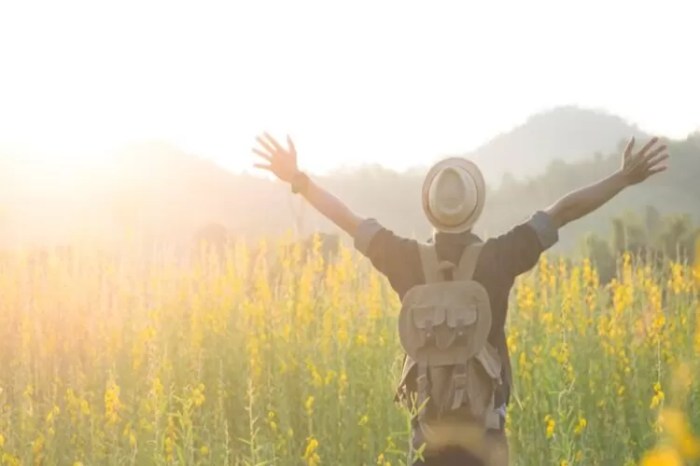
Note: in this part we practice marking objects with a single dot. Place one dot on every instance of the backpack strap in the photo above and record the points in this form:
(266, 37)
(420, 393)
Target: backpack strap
(430, 263)
(459, 381)
(422, 385)
(467, 264)
(434, 270)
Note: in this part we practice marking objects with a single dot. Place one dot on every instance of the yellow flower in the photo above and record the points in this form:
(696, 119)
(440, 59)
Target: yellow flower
(272, 420)
(363, 421)
(658, 397)
(381, 461)
(38, 445)
(677, 281)
(550, 425)
(309, 405)
(198, 397)
(674, 423)
(84, 408)
(112, 403)
(580, 426)
(662, 456)
(696, 266)
(55, 411)
(311, 458)
(169, 446)
(696, 342)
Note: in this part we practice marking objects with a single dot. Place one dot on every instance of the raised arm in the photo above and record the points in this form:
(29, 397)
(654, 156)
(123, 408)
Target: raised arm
(635, 168)
(282, 162)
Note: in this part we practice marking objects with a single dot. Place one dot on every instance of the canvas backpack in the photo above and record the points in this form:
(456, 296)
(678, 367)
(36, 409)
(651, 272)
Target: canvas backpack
(450, 367)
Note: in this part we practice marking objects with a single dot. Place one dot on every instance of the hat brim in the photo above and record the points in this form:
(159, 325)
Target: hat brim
(478, 178)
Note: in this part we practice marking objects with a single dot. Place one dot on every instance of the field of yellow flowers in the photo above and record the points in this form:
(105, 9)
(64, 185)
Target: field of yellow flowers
(277, 357)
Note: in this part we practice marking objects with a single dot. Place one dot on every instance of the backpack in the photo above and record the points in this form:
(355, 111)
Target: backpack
(443, 328)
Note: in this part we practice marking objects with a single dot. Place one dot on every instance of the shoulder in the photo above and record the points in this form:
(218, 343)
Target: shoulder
(371, 236)
(537, 233)
(395, 256)
(544, 228)
(366, 233)
(518, 250)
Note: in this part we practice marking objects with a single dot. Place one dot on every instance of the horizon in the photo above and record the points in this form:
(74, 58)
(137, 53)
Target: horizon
(183, 77)
(477, 187)
(33, 157)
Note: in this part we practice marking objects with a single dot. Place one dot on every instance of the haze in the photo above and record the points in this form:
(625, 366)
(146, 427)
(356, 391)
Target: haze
(394, 83)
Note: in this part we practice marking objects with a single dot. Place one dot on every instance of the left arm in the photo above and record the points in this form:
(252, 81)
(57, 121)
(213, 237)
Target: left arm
(282, 162)
(636, 167)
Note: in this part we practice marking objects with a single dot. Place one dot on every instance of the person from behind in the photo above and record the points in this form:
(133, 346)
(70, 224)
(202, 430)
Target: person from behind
(454, 291)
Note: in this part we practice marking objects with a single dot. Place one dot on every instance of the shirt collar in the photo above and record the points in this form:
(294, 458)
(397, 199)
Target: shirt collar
(455, 239)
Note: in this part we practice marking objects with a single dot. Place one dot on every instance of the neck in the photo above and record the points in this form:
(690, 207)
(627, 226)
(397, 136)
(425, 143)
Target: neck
(463, 238)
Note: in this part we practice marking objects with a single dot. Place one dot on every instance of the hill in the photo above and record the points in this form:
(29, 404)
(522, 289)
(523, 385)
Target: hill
(159, 193)
(568, 134)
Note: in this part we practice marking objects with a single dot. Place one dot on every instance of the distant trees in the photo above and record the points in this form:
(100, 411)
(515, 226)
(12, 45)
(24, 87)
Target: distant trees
(157, 193)
(652, 237)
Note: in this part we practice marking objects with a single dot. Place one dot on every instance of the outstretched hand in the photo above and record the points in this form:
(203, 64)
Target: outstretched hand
(638, 166)
(281, 161)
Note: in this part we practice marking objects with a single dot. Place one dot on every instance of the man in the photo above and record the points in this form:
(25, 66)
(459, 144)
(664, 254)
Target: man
(453, 198)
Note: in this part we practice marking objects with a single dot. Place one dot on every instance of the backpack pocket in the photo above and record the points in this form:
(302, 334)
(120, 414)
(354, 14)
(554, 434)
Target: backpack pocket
(471, 385)
(440, 325)
(427, 320)
(461, 316)
(428, 317)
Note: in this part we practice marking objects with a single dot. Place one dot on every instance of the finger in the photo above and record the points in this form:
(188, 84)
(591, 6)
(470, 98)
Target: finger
(290, 143)
(648, 146)
(630, 146)
(655, 152)
(657, 160)
(268, 147)
(262, 154)
(263, 166)
(274, 142)
(656, 170)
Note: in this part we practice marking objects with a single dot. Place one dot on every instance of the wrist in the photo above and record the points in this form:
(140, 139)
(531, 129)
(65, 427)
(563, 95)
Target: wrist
(621, 179)
(299, 182)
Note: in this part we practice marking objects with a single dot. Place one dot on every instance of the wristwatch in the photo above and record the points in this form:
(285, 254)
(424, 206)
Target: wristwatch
(299, 182)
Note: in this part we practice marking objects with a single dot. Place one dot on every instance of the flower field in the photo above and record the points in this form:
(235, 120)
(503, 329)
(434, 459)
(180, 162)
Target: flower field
(274, 356)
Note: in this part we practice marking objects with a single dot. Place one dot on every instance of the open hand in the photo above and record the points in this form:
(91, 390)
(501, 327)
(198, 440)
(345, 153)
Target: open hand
(638, 166)
(280, 161)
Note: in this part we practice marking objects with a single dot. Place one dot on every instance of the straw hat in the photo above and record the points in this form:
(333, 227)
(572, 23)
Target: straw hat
(453, 195)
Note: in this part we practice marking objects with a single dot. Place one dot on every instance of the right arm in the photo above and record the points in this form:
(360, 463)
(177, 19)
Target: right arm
(332, 208)
(282, 162)
(635, 168)
(521, 247)
(388, 252)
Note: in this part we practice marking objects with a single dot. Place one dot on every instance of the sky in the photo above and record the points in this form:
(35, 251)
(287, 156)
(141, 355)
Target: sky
(398, 83)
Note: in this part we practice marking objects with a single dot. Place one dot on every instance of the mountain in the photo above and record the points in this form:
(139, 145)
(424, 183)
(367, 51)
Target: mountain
(568, 134)
(159, 193)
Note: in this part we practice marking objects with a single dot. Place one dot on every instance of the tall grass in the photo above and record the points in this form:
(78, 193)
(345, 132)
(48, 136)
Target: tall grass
(279, 357)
